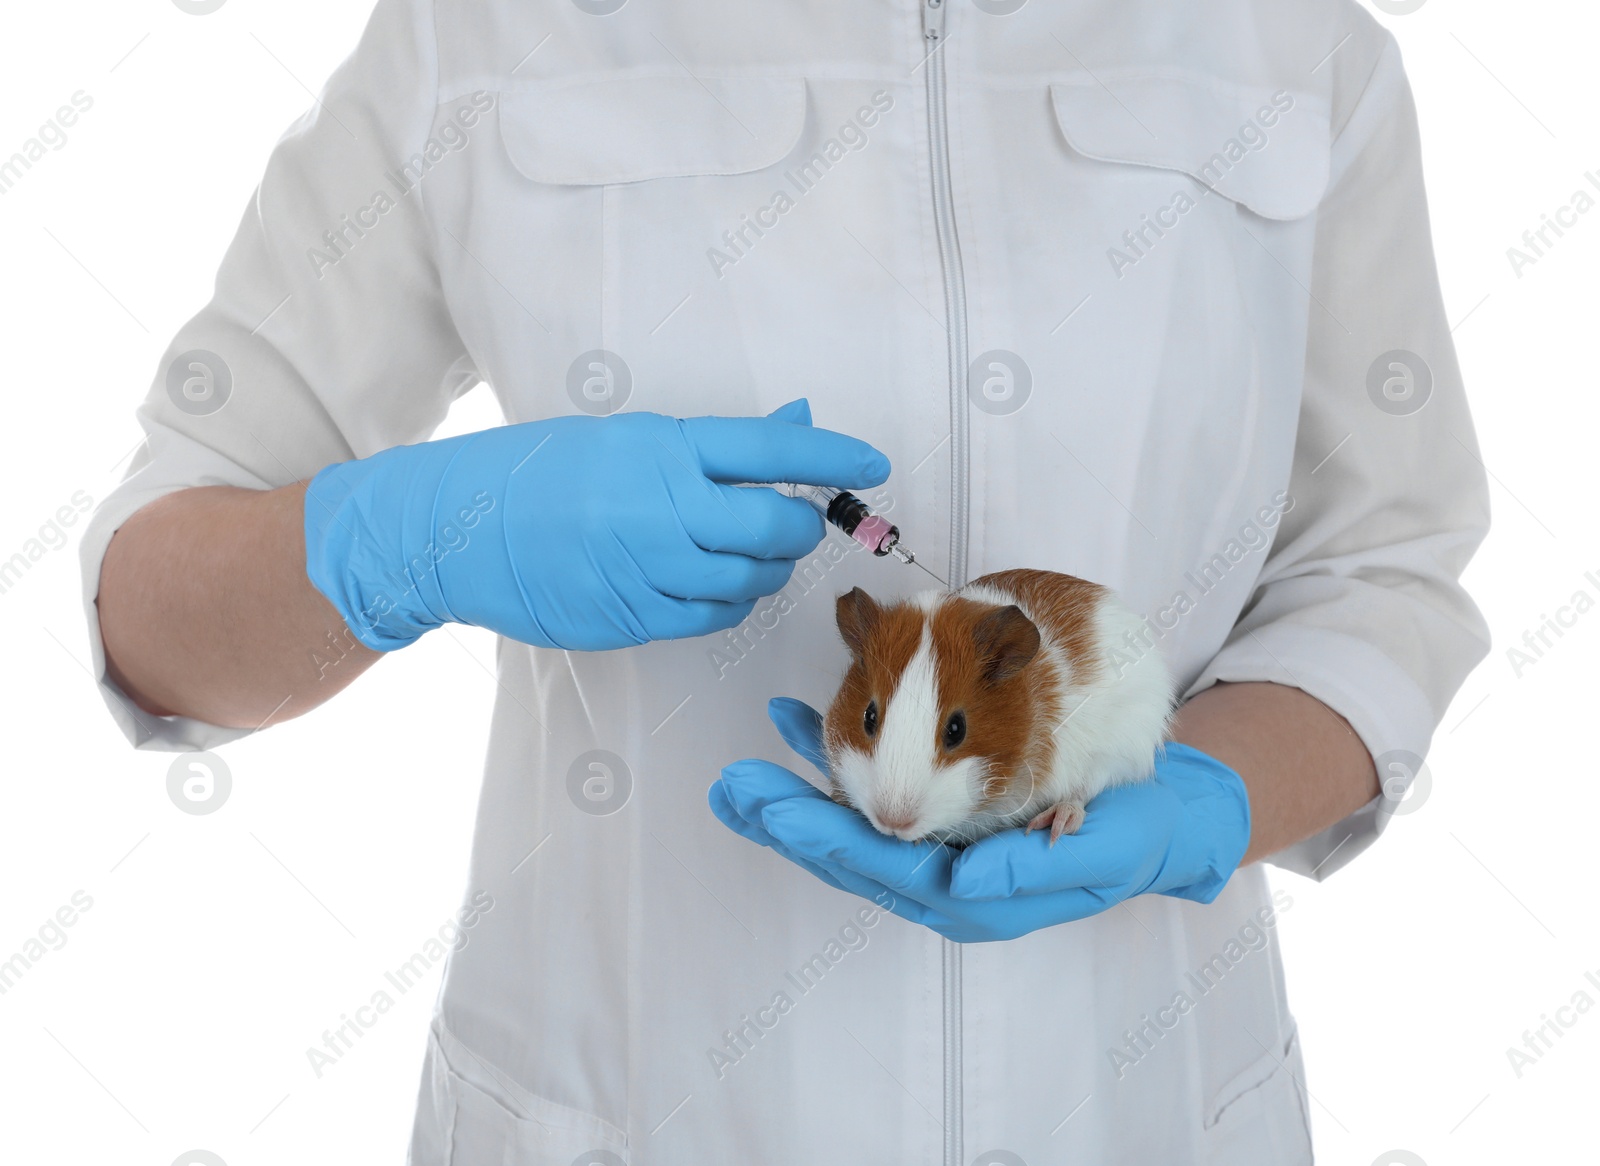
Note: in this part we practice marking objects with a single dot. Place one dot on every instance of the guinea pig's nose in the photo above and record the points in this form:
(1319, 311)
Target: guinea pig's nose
(899, 822)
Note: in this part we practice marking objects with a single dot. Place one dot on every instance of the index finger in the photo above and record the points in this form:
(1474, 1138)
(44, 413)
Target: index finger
(730, 817)
(767, 449)
(826, 832)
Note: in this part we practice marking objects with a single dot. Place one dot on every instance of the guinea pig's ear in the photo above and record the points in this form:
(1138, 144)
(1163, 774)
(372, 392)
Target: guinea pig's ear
(1006, 641)
(858, 613)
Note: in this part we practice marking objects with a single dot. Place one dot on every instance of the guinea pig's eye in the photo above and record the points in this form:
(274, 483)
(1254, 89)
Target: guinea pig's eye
(955, 729)
(870, 721)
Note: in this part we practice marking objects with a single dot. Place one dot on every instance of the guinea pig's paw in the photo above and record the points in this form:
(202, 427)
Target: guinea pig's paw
(1062, 818)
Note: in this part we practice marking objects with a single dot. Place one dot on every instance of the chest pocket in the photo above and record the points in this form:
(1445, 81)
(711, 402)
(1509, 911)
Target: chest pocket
(1186, 206)
(621, 186)
(1265, 150)
(621, 130)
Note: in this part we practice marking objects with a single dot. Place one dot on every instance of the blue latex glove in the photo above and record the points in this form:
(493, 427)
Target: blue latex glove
(1182, 833)
(577, 532)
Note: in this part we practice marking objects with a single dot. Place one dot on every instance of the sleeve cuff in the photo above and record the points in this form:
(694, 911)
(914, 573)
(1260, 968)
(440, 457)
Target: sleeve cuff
(1383, 704)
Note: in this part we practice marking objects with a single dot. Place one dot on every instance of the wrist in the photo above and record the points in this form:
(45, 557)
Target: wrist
(367, 551)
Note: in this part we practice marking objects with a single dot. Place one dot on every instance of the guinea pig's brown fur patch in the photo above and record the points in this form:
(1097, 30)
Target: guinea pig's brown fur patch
(882, 638)
(1002, 711)
(1065, 605)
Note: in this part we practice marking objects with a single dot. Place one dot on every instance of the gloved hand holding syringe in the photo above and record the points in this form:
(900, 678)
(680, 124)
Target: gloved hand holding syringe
(663, 545)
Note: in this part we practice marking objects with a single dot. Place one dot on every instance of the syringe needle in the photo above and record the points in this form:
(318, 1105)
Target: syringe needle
(912, 560)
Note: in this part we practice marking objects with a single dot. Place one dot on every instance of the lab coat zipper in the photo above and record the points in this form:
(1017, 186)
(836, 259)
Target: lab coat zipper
(955, 306)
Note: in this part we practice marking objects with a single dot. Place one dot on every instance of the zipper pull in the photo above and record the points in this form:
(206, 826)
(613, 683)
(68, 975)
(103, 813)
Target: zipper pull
(933, 21)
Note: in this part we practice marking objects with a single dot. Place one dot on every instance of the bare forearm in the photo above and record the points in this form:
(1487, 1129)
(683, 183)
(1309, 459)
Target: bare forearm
(1303, 765)
(206, 610)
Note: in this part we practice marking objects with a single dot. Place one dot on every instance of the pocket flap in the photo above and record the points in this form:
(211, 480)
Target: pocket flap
(1218, 135)
(629, 129)
(1273, 1075)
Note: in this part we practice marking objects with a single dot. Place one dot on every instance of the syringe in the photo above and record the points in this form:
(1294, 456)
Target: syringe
(844, 510)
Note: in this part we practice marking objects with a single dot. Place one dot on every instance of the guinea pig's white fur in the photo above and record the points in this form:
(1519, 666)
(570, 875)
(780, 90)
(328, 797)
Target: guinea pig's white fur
(1107, 730)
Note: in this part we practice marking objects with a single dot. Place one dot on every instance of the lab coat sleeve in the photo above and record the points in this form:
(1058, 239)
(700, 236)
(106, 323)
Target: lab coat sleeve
(1360, 602)
(327, 316)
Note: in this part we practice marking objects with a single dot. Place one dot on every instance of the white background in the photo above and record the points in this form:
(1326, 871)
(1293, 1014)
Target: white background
(218, 948)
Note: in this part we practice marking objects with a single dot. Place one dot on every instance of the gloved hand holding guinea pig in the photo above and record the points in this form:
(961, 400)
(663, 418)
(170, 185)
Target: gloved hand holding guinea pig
(997, 764)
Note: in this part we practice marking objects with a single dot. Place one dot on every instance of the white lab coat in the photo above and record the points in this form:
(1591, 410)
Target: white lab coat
(677, 185)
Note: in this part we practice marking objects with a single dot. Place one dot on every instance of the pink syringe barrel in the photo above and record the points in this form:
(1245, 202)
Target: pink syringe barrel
(844, 510)
(876, 534)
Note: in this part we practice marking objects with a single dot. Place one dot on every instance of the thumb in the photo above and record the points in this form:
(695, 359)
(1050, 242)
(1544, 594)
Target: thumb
(800, 726)
(797, 412)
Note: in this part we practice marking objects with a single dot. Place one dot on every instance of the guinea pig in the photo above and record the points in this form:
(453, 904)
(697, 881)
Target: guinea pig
(1013, 700)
